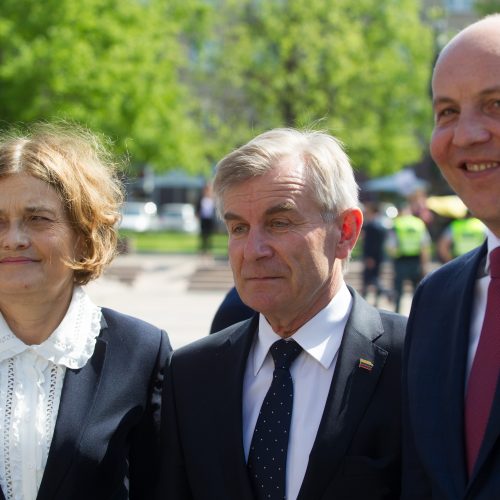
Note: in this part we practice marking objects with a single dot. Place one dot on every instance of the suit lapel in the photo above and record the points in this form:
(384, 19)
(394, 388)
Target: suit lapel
(359, 366)
(453, 375)
(491, 437)
(440, 388)
(229, 419)
(79, 393)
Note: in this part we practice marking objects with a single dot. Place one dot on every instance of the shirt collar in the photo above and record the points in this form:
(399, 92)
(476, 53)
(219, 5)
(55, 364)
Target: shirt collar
(320, 337)
(493, 242)
(71, 344)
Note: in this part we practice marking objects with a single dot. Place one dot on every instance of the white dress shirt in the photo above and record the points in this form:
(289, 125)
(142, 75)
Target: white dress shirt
(479, 305)
(312, 374)
(31, 380)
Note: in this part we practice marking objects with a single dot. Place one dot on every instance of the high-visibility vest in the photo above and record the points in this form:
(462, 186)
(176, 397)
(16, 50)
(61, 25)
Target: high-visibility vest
(466, 234)
(410, 233)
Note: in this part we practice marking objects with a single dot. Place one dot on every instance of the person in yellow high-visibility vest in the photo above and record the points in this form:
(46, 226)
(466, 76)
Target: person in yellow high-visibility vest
(459, 237)
(409, 247)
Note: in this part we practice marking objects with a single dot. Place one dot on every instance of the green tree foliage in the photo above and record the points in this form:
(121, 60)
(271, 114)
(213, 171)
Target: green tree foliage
(112, 65)
(358, 69)
(179, 83)
(484, 7)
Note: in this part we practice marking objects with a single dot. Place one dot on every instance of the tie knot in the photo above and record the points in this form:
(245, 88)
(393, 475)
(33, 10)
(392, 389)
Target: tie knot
(495, 263)
(284, 353)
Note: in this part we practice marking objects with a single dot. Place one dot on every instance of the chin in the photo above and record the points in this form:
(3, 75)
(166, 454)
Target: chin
(257, 302)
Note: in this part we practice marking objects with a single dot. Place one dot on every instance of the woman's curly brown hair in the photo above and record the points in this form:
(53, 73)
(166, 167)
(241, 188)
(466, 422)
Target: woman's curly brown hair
(78, 165)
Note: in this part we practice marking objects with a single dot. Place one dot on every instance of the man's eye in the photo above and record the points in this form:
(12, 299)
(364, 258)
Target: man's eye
(496, 105)
(445, 113)
(280, 224)
(238, 229)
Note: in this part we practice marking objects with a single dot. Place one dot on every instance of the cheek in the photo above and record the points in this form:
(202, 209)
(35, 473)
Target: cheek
(439, 139)
(316, 258)
(65, 244)
(234, 250)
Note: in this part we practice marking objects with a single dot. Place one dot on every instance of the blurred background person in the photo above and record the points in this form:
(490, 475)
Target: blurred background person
(79, 385)
(231, 310)
(373, 237)
(417, 200)
(459, 237)
(409, 245)
(205, 210)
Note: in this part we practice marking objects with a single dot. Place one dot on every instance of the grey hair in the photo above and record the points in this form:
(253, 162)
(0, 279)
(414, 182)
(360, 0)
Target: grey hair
(327, 166)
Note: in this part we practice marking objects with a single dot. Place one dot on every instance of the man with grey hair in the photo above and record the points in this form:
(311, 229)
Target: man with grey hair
(452, 355)
(302, 400)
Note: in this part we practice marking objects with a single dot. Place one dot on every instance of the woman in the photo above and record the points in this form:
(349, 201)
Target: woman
(79, 385)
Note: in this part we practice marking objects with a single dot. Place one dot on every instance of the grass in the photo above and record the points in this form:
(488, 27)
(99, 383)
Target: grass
(171, 242)
(182, 243)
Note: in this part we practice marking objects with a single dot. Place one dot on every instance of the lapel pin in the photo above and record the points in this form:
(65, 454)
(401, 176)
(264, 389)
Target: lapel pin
(365, 364)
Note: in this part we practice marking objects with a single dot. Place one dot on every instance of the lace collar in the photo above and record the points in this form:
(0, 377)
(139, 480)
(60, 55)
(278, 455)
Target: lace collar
(71, 344)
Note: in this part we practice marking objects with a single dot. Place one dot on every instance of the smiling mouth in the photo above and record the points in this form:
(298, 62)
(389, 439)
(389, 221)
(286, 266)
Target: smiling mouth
(480, 167)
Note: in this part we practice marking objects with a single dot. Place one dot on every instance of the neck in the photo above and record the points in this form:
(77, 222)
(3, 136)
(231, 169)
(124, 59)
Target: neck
(33, 319)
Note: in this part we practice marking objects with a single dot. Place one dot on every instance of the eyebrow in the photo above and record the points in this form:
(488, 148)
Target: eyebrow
(286, 206)
(36, 209)
(484, 93)
(441, 100)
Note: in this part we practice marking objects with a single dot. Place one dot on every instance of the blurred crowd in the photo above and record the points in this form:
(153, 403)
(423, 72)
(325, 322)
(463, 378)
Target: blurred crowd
(410, 234)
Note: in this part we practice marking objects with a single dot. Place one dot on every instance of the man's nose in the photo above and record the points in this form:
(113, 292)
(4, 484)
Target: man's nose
(257, 244)
(471, 128)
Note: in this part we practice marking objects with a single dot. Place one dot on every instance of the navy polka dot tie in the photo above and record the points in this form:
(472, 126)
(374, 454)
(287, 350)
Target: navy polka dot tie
(268, 450)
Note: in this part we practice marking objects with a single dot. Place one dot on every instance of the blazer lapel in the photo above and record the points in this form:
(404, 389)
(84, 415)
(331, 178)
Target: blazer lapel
(453, 375)
(440, 389)
(359, 366)
(79, 392)
(491, 437)
(229, 419)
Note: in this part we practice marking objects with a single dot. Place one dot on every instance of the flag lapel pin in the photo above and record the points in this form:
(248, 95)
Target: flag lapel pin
(365, 364)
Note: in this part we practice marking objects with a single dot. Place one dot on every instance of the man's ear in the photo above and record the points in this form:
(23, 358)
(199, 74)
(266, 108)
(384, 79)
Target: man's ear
(350, 223)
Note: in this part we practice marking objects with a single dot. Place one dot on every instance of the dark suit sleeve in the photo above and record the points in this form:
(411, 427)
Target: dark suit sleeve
(145, 443)
(415, 484)
(173, 483)
(232, 310)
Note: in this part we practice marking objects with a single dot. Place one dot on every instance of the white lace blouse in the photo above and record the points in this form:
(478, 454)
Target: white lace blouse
(31, 380)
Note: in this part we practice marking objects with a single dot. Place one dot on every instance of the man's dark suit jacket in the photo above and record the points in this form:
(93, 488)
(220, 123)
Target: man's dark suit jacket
(434, 389)
(105, 444)
(356, 454)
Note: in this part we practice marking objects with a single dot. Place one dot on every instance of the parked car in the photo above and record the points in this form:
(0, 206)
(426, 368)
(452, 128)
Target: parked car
(179, 217)
(139, 216)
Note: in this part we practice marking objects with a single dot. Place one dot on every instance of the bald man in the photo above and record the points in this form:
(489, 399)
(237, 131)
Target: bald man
(452, 353)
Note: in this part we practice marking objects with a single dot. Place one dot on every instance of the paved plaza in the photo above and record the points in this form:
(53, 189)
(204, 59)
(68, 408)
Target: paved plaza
(156, 288)
(161, 289)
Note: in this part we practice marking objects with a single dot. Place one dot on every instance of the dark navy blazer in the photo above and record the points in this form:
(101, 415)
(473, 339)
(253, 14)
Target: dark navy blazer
(357, 450)
(434, 389)
(105, 444)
